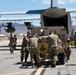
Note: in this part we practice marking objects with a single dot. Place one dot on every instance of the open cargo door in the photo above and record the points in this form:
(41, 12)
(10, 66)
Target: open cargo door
(56, 17)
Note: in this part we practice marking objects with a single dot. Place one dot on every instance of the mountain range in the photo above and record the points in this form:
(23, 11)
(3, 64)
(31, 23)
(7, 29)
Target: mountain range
(21, 28)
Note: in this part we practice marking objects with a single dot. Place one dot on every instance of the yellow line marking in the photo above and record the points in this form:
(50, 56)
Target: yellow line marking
(39, 71)
(17, 72)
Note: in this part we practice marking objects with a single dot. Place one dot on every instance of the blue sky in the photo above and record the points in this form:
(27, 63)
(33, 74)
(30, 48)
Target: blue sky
(25, 5)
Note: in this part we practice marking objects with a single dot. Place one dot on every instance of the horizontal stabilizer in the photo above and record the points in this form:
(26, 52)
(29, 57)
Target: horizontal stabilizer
(34, 12)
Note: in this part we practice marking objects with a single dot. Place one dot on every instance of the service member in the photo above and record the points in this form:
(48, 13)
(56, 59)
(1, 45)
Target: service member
(34, 51)
(68, 49)
(25, 48)
(15, 41)
(11, 44)
(52, 47)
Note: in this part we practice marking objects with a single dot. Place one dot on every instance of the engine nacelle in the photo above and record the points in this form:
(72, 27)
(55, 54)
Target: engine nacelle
(9, 28)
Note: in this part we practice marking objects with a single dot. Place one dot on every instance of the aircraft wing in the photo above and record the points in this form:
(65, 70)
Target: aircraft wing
(73, 17)
(40, 11)
(25, 13)
(13, 13)
(18, 19)
(72, 11)
(22, 13)
(35, 11)
(31, 12)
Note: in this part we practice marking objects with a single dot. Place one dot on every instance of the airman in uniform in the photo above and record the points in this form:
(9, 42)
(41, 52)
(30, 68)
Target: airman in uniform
(34, 51)
(11, 44)
(25, 48)
(68, 48)
(15, 41)
(61, 52)
(68, 51)
(52, 48)
(75, 39)
(43, 47)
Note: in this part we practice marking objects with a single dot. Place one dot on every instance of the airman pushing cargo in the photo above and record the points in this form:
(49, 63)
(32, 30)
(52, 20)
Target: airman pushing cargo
(52, 48)
(43, 47)
(61, 52)
(34, 51)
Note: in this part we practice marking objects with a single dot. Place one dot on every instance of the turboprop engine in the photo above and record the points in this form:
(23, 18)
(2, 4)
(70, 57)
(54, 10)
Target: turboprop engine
(9, 28)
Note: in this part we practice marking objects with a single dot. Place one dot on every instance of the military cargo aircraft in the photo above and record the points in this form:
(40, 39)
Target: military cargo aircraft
(52, 16)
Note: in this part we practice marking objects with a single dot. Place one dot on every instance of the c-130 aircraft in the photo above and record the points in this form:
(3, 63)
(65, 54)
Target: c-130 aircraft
(9, 28)
(53, 18)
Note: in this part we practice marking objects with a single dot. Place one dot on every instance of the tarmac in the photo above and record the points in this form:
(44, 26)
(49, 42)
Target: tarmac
(11, 65)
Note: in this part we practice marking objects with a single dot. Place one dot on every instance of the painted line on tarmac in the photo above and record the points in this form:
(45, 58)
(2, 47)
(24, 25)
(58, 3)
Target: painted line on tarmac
(39, 70)
(61, 66)
(37, 73)
(17, 72)
(72, 58)
(8, 59)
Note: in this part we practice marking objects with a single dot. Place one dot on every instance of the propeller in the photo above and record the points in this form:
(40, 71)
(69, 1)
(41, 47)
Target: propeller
(9, 28)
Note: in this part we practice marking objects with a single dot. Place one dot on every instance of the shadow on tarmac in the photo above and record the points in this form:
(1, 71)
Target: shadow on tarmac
(29, 64)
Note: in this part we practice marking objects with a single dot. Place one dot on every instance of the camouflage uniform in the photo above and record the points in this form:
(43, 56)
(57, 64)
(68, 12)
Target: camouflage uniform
(75, 39)
(67, 48)
(53, 55)
(67, 51)
(61, 53)
(24, 50)
(52, 49)
(11, 44)
(34, 52)
(43, 47)
(15, 41)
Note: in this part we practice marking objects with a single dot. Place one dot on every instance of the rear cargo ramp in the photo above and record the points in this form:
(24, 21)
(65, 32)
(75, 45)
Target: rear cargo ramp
(56, 17)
